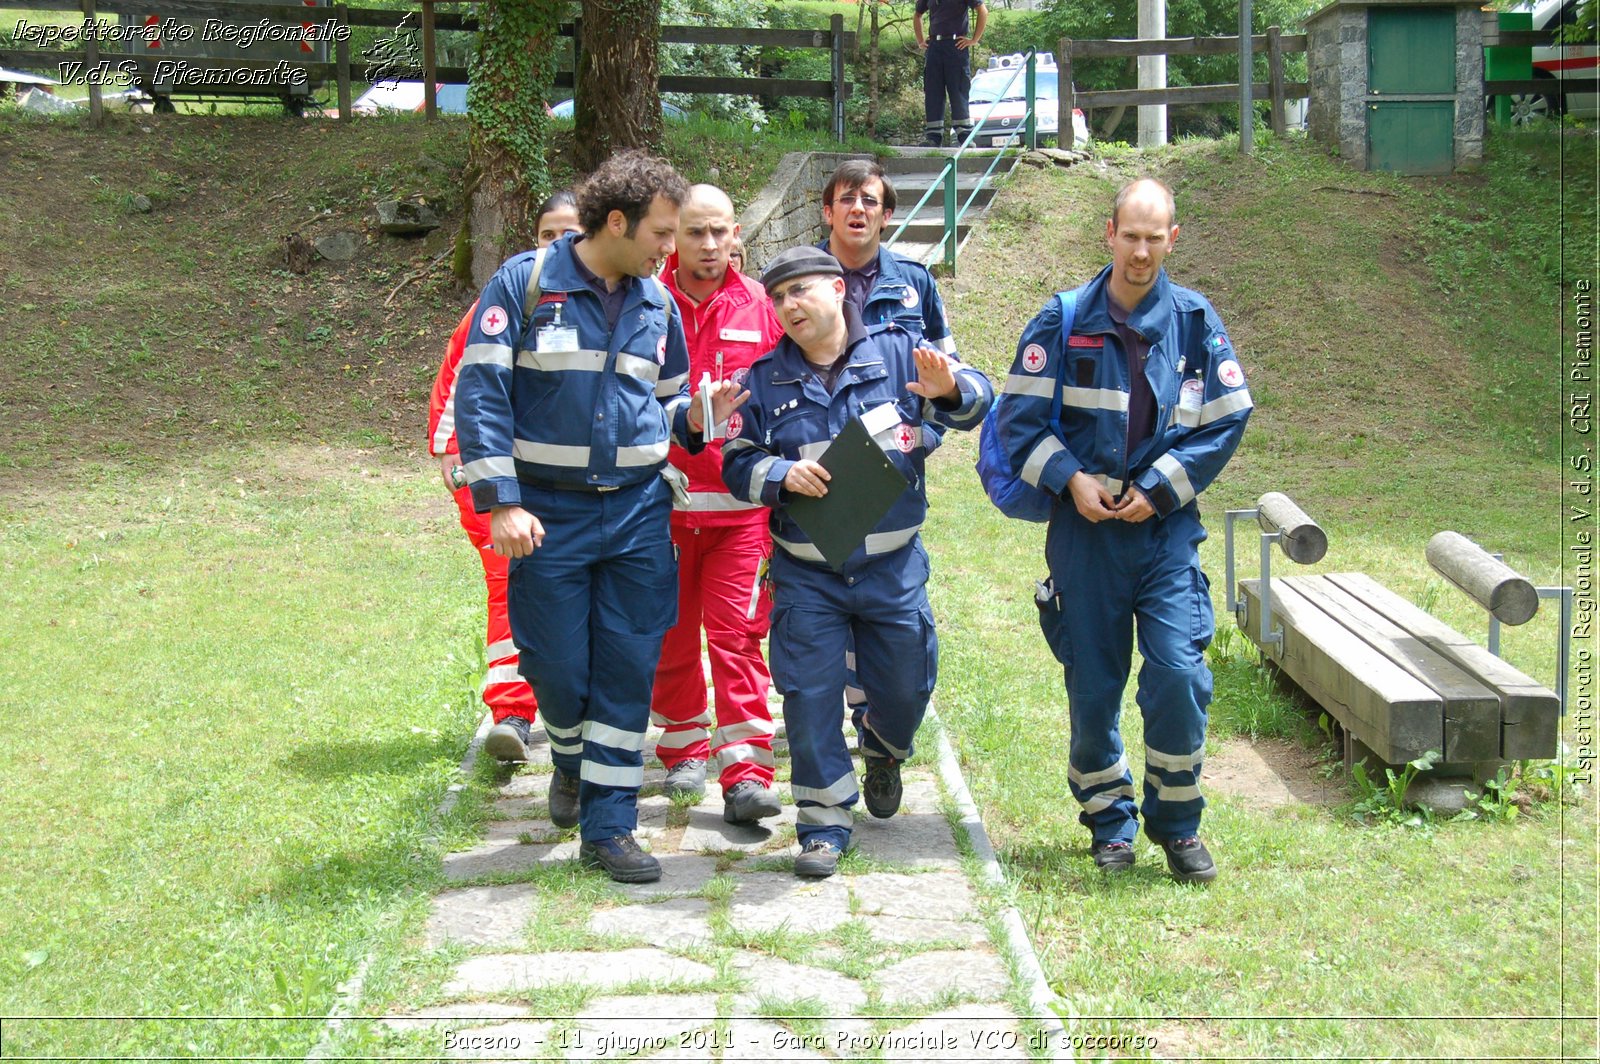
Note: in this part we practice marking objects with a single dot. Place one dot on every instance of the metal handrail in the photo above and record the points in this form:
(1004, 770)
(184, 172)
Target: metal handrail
(947, 175)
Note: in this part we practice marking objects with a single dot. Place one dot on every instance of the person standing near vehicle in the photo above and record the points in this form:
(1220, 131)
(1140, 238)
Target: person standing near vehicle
(505, 692)
(574, 383)
(948, 69)
(722, 541)
(1153, 404)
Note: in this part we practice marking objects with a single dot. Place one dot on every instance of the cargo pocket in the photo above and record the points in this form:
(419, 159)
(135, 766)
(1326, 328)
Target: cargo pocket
(1053, 620)
(1204, 617)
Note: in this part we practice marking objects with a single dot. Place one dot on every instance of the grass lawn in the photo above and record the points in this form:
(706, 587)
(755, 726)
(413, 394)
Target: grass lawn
(243, 632)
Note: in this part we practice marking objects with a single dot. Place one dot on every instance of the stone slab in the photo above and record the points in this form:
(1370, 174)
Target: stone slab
(707, 832)
(930, 896)
(920, 794)
(905, 931)
(768, 901)
(681, 873)
(501, 973)
(496, 858)
(521, 808)
(972, 1032)
(651, 1026)
(779, 982)
(675, 922)
(526, 785)
(972, 973)
(917, 840)
(480, 916)
(539, 830)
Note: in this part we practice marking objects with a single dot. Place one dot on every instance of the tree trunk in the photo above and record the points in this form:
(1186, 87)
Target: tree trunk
(510, 81)
(874, 95)
(619, 65)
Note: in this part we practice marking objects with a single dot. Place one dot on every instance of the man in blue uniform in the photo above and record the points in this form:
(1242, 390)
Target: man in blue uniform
(828, 369)
(573, 383)
(948, 70)
(1153, 404)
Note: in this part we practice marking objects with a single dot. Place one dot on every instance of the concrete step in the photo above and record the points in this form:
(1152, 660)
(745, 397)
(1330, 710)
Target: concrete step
(915, 160)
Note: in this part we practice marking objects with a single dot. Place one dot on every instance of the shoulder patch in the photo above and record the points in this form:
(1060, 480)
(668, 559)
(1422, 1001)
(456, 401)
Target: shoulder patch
(1217, 343)
(493, 322)
(1230, 374)
(1033, 358)
(1086, 341)
(910, 299)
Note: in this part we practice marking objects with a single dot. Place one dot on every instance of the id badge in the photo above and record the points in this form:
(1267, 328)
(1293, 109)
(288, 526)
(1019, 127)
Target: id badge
(1190, 396)
(557, 338)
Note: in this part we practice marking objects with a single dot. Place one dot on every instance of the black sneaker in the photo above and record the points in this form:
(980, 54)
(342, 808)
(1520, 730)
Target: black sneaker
(881, 788)
(687, 778)
(563, 800)
(818, 860)
(1188, 859)
(1112, 857)
(748, 801)
(508, 740)
(621, 858)
(933, 142)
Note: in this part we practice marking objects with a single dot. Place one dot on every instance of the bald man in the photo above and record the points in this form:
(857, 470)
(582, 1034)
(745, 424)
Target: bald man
(722, 542)
(1153, 403)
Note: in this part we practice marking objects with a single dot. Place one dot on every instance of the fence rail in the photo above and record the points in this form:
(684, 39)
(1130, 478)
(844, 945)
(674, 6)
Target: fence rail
(835, 39)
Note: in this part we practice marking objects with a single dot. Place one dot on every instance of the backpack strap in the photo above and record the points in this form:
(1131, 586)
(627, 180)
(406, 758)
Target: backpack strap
(1069, 311)
(531, 294)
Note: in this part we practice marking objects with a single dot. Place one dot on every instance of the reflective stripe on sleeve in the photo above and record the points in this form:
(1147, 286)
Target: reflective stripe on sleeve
(488, 468)
(553, 454)
(1222, 406)
(645, 369)
(648, 455)
(718, 501)
(670, 385)
(486, 354)
(504, 648)
(945, 344)
(1043, 451)
(1177, 476)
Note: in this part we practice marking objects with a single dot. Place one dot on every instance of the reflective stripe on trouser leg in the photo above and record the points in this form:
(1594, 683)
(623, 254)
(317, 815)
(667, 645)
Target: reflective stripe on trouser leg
(1175, 623)
(1092, 637)
(807, 648)
(589, 609)
(678, 702)
(504, 691)
(730, 584)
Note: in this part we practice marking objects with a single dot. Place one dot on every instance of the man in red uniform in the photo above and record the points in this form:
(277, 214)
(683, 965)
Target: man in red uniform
(505, 692)
(722, 542)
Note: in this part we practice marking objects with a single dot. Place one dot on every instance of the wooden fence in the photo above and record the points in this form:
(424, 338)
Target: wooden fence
(1274, 42)
(430, 22)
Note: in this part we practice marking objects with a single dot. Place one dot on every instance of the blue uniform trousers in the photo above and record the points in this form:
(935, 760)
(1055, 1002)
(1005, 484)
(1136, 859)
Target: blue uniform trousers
(946, 73)
(588, 611)
(884, 606)
(1108, 576)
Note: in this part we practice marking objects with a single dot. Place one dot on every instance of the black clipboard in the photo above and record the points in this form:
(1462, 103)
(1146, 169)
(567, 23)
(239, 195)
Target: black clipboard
(864, 487)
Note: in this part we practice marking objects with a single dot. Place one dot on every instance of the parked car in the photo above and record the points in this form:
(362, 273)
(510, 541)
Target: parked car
(1570, 62)
(668, 111)
(998, 109)
(406, 96)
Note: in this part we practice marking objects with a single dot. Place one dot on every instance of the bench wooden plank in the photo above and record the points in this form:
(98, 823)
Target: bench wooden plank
(1471, 710)
(1386, 707)
(1530, 713)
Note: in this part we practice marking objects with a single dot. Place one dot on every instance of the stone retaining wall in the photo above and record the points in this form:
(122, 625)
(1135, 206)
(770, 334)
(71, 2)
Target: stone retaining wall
(788, 211)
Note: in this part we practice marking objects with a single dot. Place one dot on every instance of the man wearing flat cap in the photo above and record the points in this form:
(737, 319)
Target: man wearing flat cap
(828, 369)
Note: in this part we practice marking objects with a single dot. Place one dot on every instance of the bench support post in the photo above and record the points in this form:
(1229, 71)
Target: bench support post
(1563, 633)
(1269, 637)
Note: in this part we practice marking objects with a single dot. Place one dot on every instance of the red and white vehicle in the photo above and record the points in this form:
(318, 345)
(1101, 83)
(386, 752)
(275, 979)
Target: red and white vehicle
(1572, 63)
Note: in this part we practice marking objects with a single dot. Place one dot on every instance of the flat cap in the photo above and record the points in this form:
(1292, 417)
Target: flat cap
(802, 261)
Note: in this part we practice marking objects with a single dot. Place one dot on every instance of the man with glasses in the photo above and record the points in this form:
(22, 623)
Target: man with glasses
(828, 369)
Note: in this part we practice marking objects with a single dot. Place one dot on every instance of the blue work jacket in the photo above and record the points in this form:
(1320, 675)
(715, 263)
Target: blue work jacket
(791, 416)
(586, 407)
(1202, 402)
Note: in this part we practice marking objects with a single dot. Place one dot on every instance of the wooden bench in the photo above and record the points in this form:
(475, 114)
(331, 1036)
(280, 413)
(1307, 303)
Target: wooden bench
(1398, 681)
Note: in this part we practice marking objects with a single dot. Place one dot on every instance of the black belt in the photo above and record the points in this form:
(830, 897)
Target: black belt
(946, 36)
(552, 485)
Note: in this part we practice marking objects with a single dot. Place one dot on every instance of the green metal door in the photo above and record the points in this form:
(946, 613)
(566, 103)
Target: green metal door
(1411, 52)
(1411, 136)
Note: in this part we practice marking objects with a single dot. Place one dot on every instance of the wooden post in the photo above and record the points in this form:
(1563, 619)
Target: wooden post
(1301, 538)
(1247, 107)
(342, 56)
(1492, 583)
(430, 102)
(1065, 134)
(836, 43)
(91, 57)
(1275, 75)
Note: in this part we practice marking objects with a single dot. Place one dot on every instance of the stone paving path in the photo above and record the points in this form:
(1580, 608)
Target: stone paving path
(729, 957)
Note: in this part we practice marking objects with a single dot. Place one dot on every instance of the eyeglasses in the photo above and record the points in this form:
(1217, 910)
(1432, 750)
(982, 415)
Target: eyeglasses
(794, 291)
(850, 199)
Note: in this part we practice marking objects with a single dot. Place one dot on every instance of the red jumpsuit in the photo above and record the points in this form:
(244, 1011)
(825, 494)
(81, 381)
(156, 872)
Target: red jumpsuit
(505, 692)
(722, 543)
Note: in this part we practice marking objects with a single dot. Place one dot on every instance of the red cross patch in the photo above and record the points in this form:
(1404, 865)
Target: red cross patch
(1230, 374)
(661, 351)
(909, 299)
(1033, 358)
(905, 438)
(493, 322)
(735, 425)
